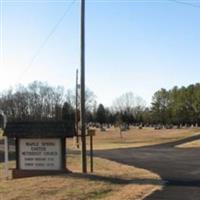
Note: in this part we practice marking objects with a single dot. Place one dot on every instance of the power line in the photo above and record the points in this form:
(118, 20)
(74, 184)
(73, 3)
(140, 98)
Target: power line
(46, 40)
(186, 3)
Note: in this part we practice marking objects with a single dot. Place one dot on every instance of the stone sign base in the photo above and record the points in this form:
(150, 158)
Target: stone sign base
(17, 173)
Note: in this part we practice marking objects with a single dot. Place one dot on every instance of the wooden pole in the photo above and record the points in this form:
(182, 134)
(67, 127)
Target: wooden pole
(76, 114)
(83, 136)
(91, 153)
(6, 155)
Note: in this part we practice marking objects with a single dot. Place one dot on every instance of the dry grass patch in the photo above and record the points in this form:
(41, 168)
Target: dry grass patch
(110, 181)
(193, 144)
(51, 188)
(135, 137)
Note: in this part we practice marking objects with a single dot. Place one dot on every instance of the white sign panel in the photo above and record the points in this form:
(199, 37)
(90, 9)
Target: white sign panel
(40, 154)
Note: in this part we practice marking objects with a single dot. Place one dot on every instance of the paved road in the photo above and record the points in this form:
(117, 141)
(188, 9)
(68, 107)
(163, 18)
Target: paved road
(180, 168)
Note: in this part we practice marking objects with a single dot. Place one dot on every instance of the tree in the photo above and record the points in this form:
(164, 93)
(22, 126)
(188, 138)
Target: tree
(128, 107)
(68, 112)
(160, 107)
(90, 99)
(177, 106)
(36, 101)
(101, 114)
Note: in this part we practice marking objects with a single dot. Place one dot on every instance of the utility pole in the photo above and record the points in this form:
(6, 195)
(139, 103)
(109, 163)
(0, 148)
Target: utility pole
(77, 114)
(83, 133)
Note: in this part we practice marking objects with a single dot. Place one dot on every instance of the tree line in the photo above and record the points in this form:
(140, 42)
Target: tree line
(177, 105)
(39, 101)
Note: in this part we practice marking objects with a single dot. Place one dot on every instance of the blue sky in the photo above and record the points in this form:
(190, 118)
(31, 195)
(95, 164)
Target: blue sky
(137, 46)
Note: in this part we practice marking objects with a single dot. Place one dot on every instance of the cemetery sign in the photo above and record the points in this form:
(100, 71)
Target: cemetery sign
(40, 146)
(40, 154)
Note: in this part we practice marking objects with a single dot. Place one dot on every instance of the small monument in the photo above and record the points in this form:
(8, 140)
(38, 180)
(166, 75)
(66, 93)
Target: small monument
(40, 146)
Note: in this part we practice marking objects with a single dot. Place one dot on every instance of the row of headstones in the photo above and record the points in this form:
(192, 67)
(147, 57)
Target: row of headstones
(104, 127)
(126, 127)
(169, 126)
(98, 125)
(159, 126)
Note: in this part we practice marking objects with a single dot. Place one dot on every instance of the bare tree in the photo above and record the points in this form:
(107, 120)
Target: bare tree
(39, 101)
(127, 106)
(128, 102)
(90, 99)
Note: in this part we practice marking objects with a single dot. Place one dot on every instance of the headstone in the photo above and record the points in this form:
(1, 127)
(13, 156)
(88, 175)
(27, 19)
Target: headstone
(102, 129)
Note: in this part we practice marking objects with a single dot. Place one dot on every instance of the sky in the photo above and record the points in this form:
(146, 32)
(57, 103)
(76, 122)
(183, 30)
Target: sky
(131, 45)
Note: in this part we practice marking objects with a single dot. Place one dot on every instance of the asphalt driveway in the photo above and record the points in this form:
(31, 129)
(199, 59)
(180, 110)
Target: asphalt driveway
(178, 167)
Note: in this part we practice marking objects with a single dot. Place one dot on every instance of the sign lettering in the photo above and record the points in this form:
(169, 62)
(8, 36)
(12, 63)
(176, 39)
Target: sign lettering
(40, 154)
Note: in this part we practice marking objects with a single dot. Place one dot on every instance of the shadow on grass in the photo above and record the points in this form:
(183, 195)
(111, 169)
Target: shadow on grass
(115, 180)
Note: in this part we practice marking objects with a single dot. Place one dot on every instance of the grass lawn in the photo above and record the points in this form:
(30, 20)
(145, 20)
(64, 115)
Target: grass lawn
(135, 137)
(110, 181)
